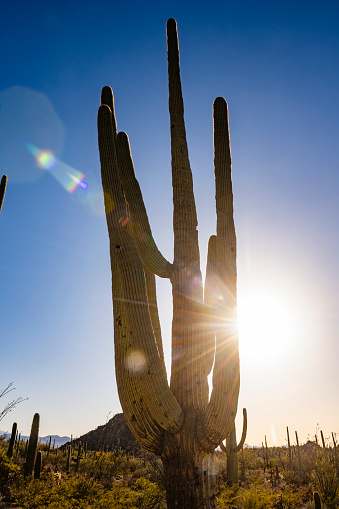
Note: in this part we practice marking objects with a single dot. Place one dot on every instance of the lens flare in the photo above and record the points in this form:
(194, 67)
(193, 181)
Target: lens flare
(68, 177)
(46, 159)
(136, 362)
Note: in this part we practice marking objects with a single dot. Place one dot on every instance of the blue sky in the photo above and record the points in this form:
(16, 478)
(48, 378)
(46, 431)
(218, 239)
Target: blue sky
(276, 63)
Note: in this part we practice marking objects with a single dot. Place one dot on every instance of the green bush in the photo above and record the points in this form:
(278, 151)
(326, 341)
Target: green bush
(8, 469)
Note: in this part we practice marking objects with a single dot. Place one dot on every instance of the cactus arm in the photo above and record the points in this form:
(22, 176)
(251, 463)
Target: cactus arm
(153, 309)
(244, 432)
(132, 401)
(107, 98)
(148, 251)
(188, 380)
(146, 368)
(3, 185)
(211, 296)
(222, 447)
(217, 420)
(236, 448)
(186, 248)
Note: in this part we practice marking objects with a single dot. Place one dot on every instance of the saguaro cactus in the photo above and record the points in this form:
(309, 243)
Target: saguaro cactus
(232, 448)
(179, 422)
(32, 446)
(12, 440)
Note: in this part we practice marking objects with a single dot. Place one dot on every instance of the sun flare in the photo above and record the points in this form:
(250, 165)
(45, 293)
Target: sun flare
(267, 325)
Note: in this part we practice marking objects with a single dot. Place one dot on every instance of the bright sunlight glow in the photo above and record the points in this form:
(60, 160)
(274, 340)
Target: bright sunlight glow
(267, 325)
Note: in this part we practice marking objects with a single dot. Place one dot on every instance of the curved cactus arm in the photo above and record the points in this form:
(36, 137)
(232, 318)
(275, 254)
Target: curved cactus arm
(244, 432)
(133, 403)
(146, 366)
(153, 309)
(222, 447)
(236, 448)
(217, 420)
(107, 98)
(142, 234)
(211, 297)
(3, 185)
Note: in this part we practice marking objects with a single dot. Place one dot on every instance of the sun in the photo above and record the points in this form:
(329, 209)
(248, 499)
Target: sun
(267, 324)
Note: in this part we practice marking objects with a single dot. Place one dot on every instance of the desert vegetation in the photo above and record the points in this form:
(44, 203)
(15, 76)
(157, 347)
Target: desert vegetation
(75, 477)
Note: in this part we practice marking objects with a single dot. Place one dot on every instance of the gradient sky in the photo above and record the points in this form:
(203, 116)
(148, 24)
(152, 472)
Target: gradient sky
(276, 63)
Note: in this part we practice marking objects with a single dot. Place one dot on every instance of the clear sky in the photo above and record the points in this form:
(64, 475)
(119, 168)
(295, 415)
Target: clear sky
(276, 63)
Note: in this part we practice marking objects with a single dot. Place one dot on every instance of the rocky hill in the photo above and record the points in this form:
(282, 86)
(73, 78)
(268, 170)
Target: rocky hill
(115, 433)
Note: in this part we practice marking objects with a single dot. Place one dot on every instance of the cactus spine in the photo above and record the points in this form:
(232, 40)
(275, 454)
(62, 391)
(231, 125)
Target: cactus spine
(179, 422)
(32, 446)
(12, 440)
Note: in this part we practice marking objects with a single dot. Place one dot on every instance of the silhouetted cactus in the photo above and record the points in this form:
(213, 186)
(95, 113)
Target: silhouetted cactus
(3, 185)
(32, 446)
(317, 501)
(49, 446)
(232, 450)
(289, 448)
(69, 449)
(298, 453)
(12, 440)
(37, 466)
(179, 422)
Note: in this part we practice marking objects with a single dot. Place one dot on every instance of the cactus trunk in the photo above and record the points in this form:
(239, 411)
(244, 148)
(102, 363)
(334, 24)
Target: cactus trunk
(32, 446)
(12, 440)
(177, 421)
(190, 479)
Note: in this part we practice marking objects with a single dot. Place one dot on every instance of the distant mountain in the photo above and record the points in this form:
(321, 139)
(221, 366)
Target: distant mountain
(115, 433)
(59, 441)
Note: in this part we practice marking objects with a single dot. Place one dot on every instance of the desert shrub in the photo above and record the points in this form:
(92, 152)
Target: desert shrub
(81, 492)
(75, 492)
(326, 478)
(256, 496)
(227, 496)
(8, 469)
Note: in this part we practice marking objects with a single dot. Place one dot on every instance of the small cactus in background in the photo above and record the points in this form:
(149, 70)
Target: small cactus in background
(3, 185)
(78, 458)
(289, 448)
(18, 446)
(49, 446)
(298, 453)
(317, 501)
(69, 449)
(232, 450)
(12, 440)
(32, 446)
(37, 466)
